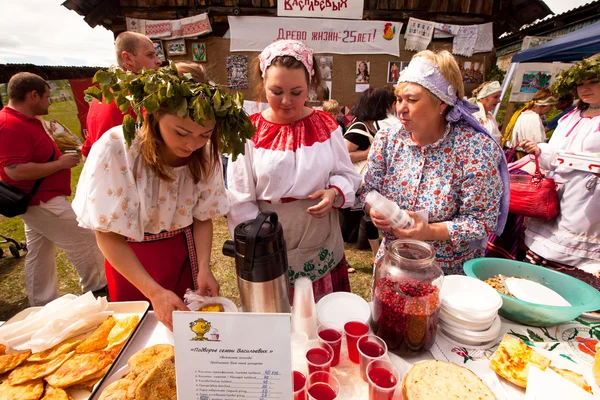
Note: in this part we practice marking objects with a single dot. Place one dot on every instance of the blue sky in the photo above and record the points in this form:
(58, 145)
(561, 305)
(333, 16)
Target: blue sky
(43, 32)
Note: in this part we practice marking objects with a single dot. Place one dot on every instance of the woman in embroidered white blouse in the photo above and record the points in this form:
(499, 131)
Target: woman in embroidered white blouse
(296, 165)
(151, 205)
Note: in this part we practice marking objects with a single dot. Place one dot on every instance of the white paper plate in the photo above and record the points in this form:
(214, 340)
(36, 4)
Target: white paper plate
(533, 292)
(339, 307)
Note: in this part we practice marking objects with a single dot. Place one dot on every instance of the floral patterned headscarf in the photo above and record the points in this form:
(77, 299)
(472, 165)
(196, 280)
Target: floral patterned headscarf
(291, 48)
(423, 72)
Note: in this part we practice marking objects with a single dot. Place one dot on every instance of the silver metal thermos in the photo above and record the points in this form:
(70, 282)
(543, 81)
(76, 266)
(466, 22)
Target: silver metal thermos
(261, 264)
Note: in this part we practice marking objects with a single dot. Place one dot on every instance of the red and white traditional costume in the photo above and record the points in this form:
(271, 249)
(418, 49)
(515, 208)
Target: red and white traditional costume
(118, 192)
(283, 164)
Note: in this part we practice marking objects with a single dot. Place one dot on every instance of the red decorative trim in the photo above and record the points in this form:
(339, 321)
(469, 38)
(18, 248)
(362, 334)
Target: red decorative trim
(341, 195)
(314, 128)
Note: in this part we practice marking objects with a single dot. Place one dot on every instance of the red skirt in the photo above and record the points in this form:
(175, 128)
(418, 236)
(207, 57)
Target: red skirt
(169, 258)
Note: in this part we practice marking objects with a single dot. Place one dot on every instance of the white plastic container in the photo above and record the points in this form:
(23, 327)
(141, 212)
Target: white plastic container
(456, 321)
(390, 210)
(470, 296)
(469, 337)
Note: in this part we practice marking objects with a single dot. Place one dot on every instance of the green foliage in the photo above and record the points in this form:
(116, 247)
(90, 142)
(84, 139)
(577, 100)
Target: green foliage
(183, 96)
(495, 74)
(568, 79)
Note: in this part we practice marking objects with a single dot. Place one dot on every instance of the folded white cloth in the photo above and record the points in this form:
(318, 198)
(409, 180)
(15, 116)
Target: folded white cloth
(61, 319)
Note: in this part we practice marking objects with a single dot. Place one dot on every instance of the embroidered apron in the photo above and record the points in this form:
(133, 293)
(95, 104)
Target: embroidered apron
(314, 245)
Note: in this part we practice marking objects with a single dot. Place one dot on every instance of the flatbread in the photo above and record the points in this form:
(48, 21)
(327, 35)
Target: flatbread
(8, 362)
(80, 367)
(52, 393)
(122, 330)
(2, 349)
(31, 371)
(116, 390)
(91, 381)
(28, 391)
(574, 377)
(99, 339)
(435, 379)
(513, 358)
(146, 358)
(157, 383)
(62, 348)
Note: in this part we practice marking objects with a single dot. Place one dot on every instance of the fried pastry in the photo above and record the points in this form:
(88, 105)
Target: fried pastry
(574, 377)
(31, 370)
(28, 391)
(146, 358)
(435, 379)
(512, 359)
(216, 307)
(80, 367)
(52, 393)
(158, 383)
(91, 381)
(62, 348)
(99, 339)
(8, 362)
(2, 349)
(122, 330)
(116, 390)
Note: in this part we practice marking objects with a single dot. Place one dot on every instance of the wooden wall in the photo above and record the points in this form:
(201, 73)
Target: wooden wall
(344, 66)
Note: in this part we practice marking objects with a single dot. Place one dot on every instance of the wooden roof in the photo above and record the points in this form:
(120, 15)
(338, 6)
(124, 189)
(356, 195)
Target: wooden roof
(507, 15)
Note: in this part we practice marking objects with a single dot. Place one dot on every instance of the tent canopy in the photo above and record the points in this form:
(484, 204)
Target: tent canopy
(573, 46)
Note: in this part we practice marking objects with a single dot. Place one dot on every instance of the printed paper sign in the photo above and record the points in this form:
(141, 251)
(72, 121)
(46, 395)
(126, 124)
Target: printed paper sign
(223, 356)
(531, 77)
(345, 9)
(322, 35)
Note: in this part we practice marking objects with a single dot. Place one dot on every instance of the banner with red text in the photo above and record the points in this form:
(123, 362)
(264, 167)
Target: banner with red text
(345, 9)
(322, 35)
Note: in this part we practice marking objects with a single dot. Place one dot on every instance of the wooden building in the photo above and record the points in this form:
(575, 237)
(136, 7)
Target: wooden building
(506, 15)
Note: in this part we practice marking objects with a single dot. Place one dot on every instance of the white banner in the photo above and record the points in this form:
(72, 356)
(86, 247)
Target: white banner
(322, 35)
(345, 9)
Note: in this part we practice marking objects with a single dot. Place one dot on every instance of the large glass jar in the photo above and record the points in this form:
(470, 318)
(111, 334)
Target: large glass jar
(406, 295)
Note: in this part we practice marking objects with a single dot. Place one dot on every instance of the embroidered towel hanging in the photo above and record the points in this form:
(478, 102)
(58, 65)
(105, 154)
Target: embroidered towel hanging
(485, 38)
(443, 31)
(464, 42)
(418, 34)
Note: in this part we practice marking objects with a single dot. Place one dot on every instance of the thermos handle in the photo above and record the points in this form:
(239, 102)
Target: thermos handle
(252, 235)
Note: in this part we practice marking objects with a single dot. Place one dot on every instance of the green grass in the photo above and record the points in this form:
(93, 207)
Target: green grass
(13, 293)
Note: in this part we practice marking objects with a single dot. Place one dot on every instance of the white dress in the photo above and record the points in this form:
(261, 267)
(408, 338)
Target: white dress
(530, 126)
(119, 193)
(489, 122)
(573, 237)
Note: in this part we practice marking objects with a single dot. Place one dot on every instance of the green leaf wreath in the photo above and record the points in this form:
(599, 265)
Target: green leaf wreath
(149, 89)
(568, 79)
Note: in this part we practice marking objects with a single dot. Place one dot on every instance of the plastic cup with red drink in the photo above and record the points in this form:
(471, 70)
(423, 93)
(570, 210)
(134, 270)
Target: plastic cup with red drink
(331, 335)
(319, 356)
(353, 330)
(323, 386)
(299, 385)
(383, 379)
(370, 347)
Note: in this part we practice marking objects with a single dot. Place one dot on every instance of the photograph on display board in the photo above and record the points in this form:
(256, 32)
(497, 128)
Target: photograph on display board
(323, 95)
(237, 72)
(535, 80)
(363, 70)
(472, 72)
(176, 47)
(199, 52)
(160, 52)
(325, 64)
(394, 69)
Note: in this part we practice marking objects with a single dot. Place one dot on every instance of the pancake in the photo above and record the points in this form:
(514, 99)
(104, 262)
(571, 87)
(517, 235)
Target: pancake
(28, 391)
(80, 367)
(31, 371)
(99, 339)
(62, 348)
(8, 362)
(513, 358)
(122, 330)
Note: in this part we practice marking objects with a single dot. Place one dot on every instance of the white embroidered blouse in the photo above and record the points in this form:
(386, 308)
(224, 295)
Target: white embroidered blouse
(290, 161)
(118, 192)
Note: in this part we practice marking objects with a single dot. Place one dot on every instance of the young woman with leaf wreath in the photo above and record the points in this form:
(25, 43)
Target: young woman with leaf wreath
(150, 193)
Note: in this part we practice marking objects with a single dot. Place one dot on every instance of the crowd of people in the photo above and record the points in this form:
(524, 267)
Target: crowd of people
(140, 225)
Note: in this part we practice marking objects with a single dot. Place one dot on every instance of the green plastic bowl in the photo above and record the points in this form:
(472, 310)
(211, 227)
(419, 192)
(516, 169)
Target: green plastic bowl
(582, 296)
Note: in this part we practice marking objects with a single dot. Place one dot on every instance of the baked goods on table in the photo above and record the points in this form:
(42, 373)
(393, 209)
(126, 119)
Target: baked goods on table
(435, 379)
(77, 363)
(151, 376)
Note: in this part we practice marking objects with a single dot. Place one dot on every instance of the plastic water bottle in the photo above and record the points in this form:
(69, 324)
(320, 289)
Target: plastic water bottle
(390, 210)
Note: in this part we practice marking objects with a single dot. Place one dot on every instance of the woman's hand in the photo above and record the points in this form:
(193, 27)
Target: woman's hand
(419, 231)
(382, 223)
(530, 147)
(207, 283)
(164, 302)
(321, 209)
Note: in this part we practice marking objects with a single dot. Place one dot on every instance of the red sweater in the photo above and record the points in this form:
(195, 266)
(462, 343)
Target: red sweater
(101, 117)
(23, 140)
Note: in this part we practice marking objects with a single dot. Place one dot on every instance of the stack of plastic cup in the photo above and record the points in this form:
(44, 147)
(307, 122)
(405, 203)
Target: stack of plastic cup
(304, 312)
(390, 210)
